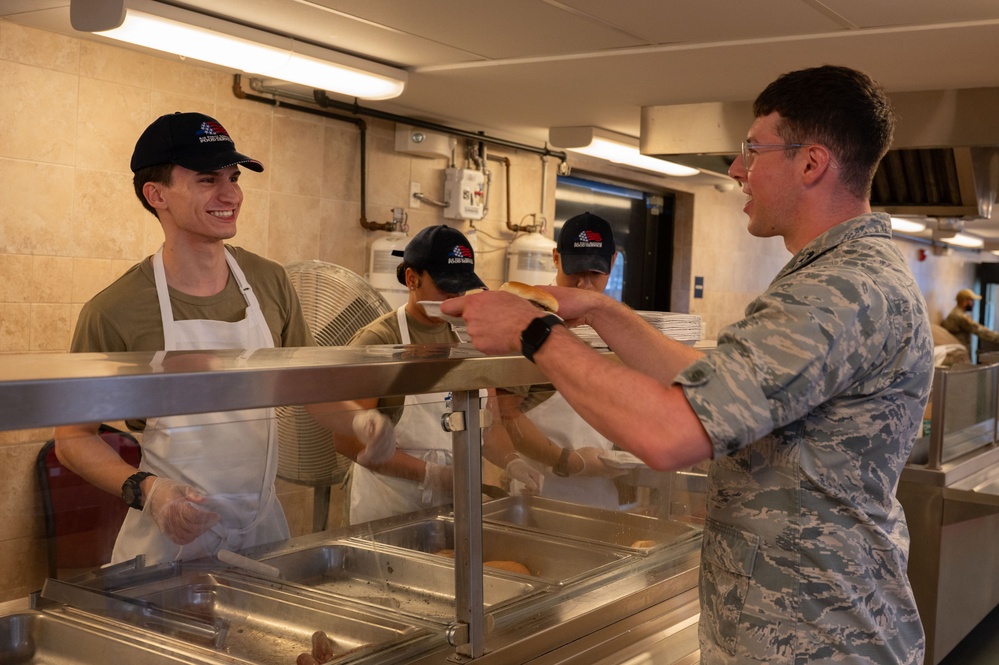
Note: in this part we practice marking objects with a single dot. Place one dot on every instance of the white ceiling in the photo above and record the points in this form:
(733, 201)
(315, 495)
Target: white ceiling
(514, 68)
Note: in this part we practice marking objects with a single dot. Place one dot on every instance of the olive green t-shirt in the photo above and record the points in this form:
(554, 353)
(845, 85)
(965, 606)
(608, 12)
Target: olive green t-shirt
(385, 330)
(125, 316)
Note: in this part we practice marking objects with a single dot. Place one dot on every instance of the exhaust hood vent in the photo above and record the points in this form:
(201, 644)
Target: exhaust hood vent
(937, 182)
(944, 161)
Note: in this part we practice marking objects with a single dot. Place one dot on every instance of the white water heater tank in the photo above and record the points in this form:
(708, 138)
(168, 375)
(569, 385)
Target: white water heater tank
(529, 260)
(382, 269)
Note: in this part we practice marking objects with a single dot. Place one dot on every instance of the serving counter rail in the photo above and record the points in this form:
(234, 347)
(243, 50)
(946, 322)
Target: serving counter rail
(595, 585)
(950, 494)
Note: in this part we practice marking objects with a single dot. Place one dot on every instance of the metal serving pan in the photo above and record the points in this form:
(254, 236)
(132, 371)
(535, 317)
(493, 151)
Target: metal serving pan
(551, 559)
(271, 623)
(585, 523)
(36, 638)
(392, 578)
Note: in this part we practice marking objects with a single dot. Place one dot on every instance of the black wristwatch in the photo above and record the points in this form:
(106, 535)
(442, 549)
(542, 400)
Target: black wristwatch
(131, 489)
(561, 468)
(536, 332)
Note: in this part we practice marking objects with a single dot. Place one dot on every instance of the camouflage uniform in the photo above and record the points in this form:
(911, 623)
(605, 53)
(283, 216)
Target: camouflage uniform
(962, 326)
(812, 403)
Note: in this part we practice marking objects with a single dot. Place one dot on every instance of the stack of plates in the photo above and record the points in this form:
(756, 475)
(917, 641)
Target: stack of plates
(681, 327)
(684, 328)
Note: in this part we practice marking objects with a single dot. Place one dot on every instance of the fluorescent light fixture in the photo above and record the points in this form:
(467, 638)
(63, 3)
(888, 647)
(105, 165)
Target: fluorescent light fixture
(904, 225)
(613, 147)
(192, 35)
(965, 240)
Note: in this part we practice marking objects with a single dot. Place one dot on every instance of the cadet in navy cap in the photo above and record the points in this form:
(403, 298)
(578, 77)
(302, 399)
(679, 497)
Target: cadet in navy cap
(446, 255)
(547, 429)
(585, 253)
(403, 456)
(213, 488)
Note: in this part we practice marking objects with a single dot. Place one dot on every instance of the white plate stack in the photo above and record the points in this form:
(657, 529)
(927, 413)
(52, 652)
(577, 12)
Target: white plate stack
(684, 328)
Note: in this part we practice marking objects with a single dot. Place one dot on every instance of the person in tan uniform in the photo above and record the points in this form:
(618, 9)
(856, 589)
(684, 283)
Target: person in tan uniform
(960, 324)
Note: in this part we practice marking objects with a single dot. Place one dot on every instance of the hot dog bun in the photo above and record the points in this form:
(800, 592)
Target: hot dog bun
(510, 566)
(542, 299)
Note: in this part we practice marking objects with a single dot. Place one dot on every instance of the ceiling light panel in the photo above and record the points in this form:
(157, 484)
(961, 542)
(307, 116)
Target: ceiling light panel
(191, 35)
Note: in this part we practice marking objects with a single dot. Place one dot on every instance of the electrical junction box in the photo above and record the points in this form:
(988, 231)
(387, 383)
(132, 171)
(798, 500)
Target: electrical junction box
(464, 193)
(423, 143)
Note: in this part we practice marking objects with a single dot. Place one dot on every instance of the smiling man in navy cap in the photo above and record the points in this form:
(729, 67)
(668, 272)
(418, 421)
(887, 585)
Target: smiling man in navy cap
(206, 482)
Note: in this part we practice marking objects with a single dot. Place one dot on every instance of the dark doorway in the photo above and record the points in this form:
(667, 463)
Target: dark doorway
(643, 231)
(986, 310)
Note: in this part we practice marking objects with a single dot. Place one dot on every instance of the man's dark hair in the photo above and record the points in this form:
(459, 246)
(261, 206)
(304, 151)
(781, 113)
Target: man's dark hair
(159, 173)
(400, 272)
(840, 108)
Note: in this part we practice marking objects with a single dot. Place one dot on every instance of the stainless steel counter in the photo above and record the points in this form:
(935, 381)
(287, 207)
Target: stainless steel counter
(552, 615)
(951, 501)
(38, 390)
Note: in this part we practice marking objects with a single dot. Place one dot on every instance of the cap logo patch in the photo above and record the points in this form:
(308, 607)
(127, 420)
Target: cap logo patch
(588, 238)
(460, 254)
(212, 131)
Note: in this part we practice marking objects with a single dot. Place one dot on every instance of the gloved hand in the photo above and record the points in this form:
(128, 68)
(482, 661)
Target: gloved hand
(171, 505)
(519, 470)
(438, 478)
(374, 429)
(593, 466)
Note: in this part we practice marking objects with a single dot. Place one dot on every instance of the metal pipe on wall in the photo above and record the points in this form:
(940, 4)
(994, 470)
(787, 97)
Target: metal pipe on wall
(362, 126)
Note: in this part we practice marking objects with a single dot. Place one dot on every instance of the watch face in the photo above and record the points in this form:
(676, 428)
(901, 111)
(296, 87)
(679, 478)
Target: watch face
(131, 490)
(536, 333)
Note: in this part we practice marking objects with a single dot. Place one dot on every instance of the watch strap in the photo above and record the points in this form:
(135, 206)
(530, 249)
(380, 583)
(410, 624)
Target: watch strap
(131, 489)
(561, 467)
(536, 333)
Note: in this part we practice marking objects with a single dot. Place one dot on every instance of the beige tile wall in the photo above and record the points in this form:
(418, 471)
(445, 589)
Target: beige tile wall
(70, 224)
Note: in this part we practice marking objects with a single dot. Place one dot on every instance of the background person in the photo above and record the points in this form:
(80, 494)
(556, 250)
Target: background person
(960, 324)
(545, 428)
(407, 466)
(808, 407)
(206, 481)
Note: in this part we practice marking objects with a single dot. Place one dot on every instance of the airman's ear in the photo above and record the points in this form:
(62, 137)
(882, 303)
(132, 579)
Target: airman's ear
(818, 160)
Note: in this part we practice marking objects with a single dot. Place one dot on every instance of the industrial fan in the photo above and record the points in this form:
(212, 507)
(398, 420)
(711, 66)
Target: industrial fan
(337, 303)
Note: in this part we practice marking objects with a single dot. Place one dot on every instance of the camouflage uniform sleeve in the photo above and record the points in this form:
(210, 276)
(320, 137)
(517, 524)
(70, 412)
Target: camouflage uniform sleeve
(984, 333)
(810, 335)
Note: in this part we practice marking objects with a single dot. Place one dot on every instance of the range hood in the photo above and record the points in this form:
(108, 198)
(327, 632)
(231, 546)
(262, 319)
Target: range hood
(944, 162)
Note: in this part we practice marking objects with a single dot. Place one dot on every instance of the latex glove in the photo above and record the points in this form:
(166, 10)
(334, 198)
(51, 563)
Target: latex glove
(374, 429)
(519, 470)
(171, 505)
(438, 482)
(438, 477)
(593, 466)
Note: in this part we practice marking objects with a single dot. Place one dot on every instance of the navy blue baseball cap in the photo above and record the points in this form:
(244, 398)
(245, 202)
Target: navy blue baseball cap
(192, 140)
(586, 243)
(446, 255)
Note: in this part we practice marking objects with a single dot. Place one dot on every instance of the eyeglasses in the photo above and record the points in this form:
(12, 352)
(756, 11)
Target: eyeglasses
(751, 150)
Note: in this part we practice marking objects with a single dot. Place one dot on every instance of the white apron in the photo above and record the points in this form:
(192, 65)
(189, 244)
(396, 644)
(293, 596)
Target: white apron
(230, 456)
(564, 427)
(418, 433)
